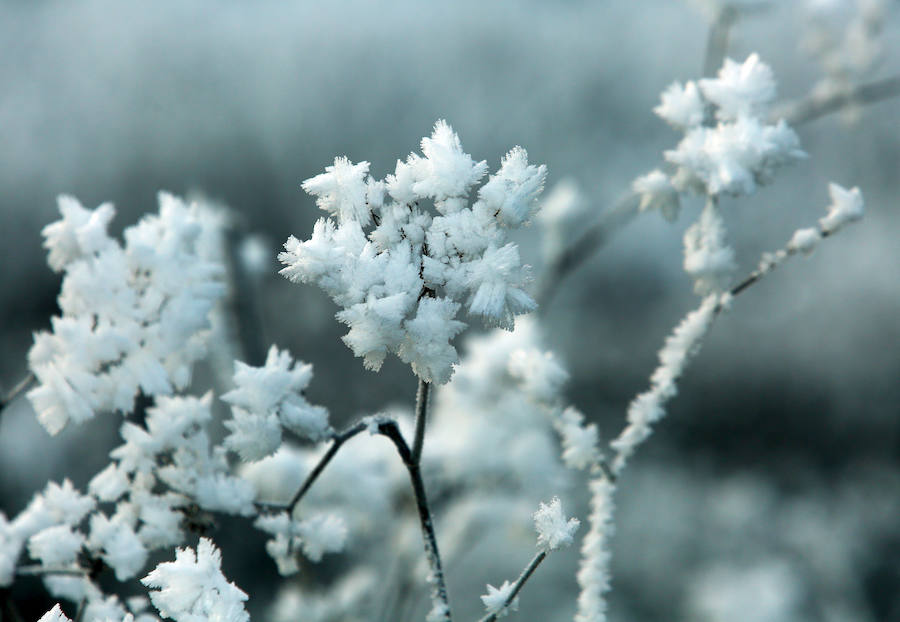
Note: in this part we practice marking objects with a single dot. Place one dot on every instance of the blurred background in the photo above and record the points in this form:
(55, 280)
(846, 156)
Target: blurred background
(771, 492)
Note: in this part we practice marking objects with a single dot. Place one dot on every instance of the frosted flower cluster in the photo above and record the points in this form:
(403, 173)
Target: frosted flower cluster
(134, 317)
(401, 272)
(265, 399)
(553, 529)
(193, 589)
(729, 147)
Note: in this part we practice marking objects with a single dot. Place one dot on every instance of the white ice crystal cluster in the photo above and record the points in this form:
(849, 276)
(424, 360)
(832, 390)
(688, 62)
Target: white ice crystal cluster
(270, 397)
(729, 147)
(401, 272)
(553, 528)
(193, 589)
(163, 475)
(134, 317)
(496, 597)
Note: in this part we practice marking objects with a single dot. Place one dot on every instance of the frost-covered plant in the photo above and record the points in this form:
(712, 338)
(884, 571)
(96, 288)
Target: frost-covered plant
(401, 272)
(134, 317)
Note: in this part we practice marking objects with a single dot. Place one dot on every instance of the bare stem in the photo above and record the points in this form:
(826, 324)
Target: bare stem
(717, 41)
(336, 442)
(79, 615)
(592, 239)
(439, 596)
(422, 395)
(37, 569)
(23, 385)
(529, 570)
(812, 107)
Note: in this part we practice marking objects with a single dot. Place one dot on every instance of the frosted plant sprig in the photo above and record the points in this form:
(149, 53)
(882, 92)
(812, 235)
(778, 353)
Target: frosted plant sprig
(401, 272)
(554, 532)
(134, 317)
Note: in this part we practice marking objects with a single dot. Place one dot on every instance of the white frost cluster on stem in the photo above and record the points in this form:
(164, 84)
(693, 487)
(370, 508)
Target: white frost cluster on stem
(134, 317)
(730, 150)
(401, 272)
(270, 397)
(193, 589)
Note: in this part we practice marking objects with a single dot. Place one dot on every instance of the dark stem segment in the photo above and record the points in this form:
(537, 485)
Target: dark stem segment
(23, 385)
(717, 41)
(336, 442)
(423, 393)
(37, 569)
(79, 615)
(439, 586)
(529, 570)
(812, 107)
(593, 238)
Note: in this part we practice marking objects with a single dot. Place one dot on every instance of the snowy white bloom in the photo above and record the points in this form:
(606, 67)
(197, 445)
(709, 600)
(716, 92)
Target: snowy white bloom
(657, 192)
(741, 89)
(341, 190)
(55, 615)
(553, 529)
(134, 317)
(737, 154)
(400, 271)
(118, 544)
(193, 588)
(265, 399)
(846, 206)
(496, 598)
(681, 105)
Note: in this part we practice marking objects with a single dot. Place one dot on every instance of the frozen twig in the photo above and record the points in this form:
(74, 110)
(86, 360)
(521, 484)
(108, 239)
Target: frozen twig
(339, 439)
(813, 107)
(590, 241)
(517, 586)
(422, 395)
(37, 569)
(439, 598)
(23, 385)
(717, 40)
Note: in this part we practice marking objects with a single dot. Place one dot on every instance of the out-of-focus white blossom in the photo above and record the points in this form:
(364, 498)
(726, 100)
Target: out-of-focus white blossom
(657, 192)
(315, 536)
(681, 105)
(134, 317)
(738, 153)
(553, 528)
(55, 546)
(192, 588)
(401, 283)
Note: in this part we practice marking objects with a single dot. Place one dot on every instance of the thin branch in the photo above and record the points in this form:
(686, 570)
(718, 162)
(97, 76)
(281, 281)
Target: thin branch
(8, 605)
(529, 570)
(37, 569)
(813, 107)
(23, 385)
(439, 586)
(79, 614)
(338, 440)
(717, 40)
(592, 239)
(422, 395)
